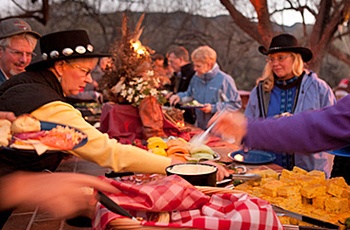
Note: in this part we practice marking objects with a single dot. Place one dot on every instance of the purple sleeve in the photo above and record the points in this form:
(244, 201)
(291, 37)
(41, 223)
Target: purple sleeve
(311, 131)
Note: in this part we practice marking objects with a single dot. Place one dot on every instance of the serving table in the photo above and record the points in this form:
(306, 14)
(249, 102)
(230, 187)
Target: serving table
(37, 219)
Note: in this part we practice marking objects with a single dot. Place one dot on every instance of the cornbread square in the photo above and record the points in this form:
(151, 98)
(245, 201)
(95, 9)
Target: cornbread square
(271, 187)
(290, 202)
(256, 191)
(279, 201)
(296, 169)
(337, 191)
(311, 191)
(319, 213)
(244, 187)
(336, 204)
(266, 180)
(319, 174)
(269, 173)
(288, 181)
(305, 180)
(289, 190)
(318, 202)
(340, 181)
(265, 173)
(286, 174)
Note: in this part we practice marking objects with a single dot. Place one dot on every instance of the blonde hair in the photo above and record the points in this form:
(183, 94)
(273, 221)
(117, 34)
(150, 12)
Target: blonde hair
(204, 54)
(268, 77)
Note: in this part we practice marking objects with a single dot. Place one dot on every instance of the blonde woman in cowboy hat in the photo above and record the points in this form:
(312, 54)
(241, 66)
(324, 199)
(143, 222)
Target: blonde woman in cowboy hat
(287, 88)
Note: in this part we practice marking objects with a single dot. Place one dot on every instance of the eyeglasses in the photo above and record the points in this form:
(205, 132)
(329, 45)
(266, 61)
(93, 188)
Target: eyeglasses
(19, 54)
(279, 58)
(87, 71)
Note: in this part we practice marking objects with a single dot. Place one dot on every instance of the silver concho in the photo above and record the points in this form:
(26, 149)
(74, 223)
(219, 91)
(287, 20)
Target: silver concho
(54, 54)
(90, 48)
(80, 49)
(67, 51)
(44, 56)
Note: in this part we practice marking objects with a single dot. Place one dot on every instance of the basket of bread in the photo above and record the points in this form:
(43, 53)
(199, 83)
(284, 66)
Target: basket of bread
(29, 133)
(171, 202)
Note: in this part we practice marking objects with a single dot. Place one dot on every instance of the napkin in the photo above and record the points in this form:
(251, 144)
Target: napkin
(188, 207)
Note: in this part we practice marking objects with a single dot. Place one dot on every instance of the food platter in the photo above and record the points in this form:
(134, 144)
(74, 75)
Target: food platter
(252, 156)
(36, 146)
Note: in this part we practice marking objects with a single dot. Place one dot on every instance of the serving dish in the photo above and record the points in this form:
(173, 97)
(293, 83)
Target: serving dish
(195, 173)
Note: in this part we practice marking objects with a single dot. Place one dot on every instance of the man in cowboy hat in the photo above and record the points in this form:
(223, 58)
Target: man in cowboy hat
(286, 88)
(17, 43)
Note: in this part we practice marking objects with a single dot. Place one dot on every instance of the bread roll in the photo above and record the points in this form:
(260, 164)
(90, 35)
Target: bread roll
(25, 123)
(5, 132)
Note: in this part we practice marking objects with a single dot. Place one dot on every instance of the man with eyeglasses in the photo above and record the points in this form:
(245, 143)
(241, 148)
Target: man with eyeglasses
(17, 43)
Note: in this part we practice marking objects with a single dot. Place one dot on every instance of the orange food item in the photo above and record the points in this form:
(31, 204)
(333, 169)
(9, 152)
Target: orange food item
(63, 138)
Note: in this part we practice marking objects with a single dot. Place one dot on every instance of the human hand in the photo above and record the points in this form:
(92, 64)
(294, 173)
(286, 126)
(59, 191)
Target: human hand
(7, 115)
(168, 95)
(221, 173)
(231, 126)
(174, 99)
(99, 97)
(206, 108)
(63, 195)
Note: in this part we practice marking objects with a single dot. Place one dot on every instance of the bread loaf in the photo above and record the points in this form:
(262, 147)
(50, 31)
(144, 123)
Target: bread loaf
(25, 123)
(5, 132)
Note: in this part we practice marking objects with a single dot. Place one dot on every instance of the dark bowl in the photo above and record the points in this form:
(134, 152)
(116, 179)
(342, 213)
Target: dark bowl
(195, 173)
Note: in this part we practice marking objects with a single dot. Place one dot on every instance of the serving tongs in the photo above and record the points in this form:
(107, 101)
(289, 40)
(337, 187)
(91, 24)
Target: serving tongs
(199, 139)
(242, 176)
(112, 206)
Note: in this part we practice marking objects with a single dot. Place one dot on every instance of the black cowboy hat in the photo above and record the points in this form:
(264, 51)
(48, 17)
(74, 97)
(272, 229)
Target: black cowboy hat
(64, 45)
(286, 43)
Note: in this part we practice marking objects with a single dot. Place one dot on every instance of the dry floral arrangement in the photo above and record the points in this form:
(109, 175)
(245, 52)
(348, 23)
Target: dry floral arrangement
(130, 78)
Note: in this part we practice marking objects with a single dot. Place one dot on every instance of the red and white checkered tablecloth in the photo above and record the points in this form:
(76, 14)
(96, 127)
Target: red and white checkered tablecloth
(189, 207)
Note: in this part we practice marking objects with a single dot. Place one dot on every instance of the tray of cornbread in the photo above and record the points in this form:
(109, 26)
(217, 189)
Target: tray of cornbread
(305, 193)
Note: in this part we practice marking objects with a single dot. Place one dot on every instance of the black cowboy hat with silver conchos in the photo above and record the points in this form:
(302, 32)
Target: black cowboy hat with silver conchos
(286, 43)
(64, 45)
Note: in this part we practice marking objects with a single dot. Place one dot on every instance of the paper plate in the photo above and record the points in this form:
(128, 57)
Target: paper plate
(48, 126)
(343, 152)
(252, 156)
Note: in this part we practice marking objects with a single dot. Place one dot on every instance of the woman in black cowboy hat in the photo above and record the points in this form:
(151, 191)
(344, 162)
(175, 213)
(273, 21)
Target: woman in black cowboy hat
(65, 68)
(286, 88)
